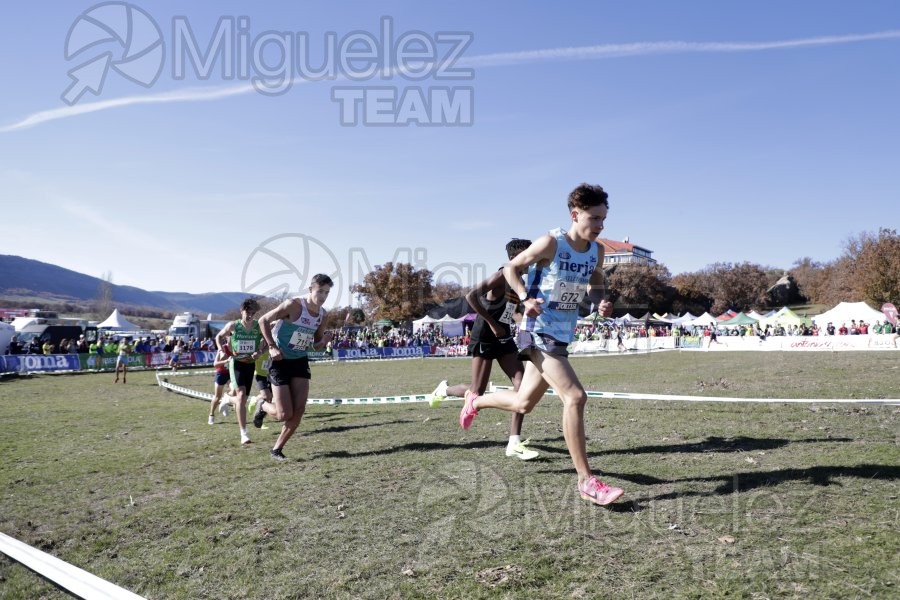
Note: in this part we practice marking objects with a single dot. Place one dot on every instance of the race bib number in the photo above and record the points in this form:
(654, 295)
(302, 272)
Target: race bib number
(507, 316)
(301, 339)
(566, 295)
(244, 346)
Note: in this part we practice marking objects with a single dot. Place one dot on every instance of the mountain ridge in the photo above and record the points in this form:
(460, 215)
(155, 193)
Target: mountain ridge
(20, 276)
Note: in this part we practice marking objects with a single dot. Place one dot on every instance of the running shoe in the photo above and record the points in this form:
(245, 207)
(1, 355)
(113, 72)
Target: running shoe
(251, 404)
(259, 414)
(521, 451)
(245, 439)
(276, 454)
(223, 407)
(439, 394)
(211, 420)
(594, 490)
(468, 412)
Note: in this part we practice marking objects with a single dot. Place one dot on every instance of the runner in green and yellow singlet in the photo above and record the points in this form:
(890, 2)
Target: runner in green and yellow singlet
(245, 341)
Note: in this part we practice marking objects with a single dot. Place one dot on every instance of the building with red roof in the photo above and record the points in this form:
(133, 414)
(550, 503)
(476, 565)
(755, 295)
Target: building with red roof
(618, 253)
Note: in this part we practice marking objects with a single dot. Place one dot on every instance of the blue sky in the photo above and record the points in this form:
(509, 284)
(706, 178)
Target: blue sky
(768, 132)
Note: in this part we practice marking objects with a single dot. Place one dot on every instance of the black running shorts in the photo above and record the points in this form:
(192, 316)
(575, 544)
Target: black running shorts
(492, 351)
(282, 371)
(243, 375)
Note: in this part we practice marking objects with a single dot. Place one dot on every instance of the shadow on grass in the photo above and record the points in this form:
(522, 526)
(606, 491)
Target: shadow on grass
(334, 415)
(709, 445)
(414, 447)
(749, 481)
(341, 428)
(720, 444)
(822, 476)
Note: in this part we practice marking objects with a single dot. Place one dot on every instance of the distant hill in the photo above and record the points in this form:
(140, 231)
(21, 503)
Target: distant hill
(23, 277)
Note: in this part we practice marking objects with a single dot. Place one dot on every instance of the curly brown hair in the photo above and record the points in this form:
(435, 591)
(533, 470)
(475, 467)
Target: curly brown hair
(586, 196)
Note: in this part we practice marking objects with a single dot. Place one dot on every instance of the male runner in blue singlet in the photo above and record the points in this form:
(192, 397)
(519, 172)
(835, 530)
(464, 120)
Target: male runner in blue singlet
(563, 267)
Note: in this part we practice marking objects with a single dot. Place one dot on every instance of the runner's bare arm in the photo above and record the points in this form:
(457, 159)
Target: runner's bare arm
(541, 251)
(321, 338)
(287, 310)
(223, 334)
(495, 282)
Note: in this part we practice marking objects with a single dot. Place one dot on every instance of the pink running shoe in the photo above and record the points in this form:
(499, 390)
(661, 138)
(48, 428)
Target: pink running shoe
(598, 492)
(468, 413)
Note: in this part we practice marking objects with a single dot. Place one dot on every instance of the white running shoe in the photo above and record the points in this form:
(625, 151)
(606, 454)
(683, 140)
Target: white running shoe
(211, 420)
(521, 451)
(439, 394)
(245, 439)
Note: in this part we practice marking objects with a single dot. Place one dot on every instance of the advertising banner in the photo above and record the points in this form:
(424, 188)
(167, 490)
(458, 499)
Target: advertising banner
(34, 363)
(612, 345)
(831, 343)
(410, 352)
(450, 351)
(202, 357)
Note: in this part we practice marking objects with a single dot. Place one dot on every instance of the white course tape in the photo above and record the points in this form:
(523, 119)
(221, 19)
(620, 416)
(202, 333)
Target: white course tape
(418, 398)
(72, 579)
(626, 396)
(162, 381)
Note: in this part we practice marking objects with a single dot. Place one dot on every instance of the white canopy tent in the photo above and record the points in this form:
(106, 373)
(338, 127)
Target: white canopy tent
(116, 322)
(704, 320)
(846, 312)
(419, 323)
(684, 319)
(451, 326)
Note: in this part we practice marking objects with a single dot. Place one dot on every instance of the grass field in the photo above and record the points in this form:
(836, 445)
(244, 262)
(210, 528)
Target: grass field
(722, 500)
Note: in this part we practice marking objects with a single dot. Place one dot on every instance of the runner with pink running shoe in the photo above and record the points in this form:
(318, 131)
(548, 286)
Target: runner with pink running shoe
(563, 267)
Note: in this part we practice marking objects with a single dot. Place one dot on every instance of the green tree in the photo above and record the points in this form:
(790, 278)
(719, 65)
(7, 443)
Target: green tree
(874, 261)
(809, 277)
(443, 291)
(643, 287)
(739, 287)
(395, 291)
(693, 292)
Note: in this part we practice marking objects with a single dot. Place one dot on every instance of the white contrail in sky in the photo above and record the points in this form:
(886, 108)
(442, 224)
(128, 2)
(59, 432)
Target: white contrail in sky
(649, 48)
(185, 95)
(486, 60)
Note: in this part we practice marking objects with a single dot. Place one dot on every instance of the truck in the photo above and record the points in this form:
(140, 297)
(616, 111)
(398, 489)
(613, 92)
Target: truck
(187, 325)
